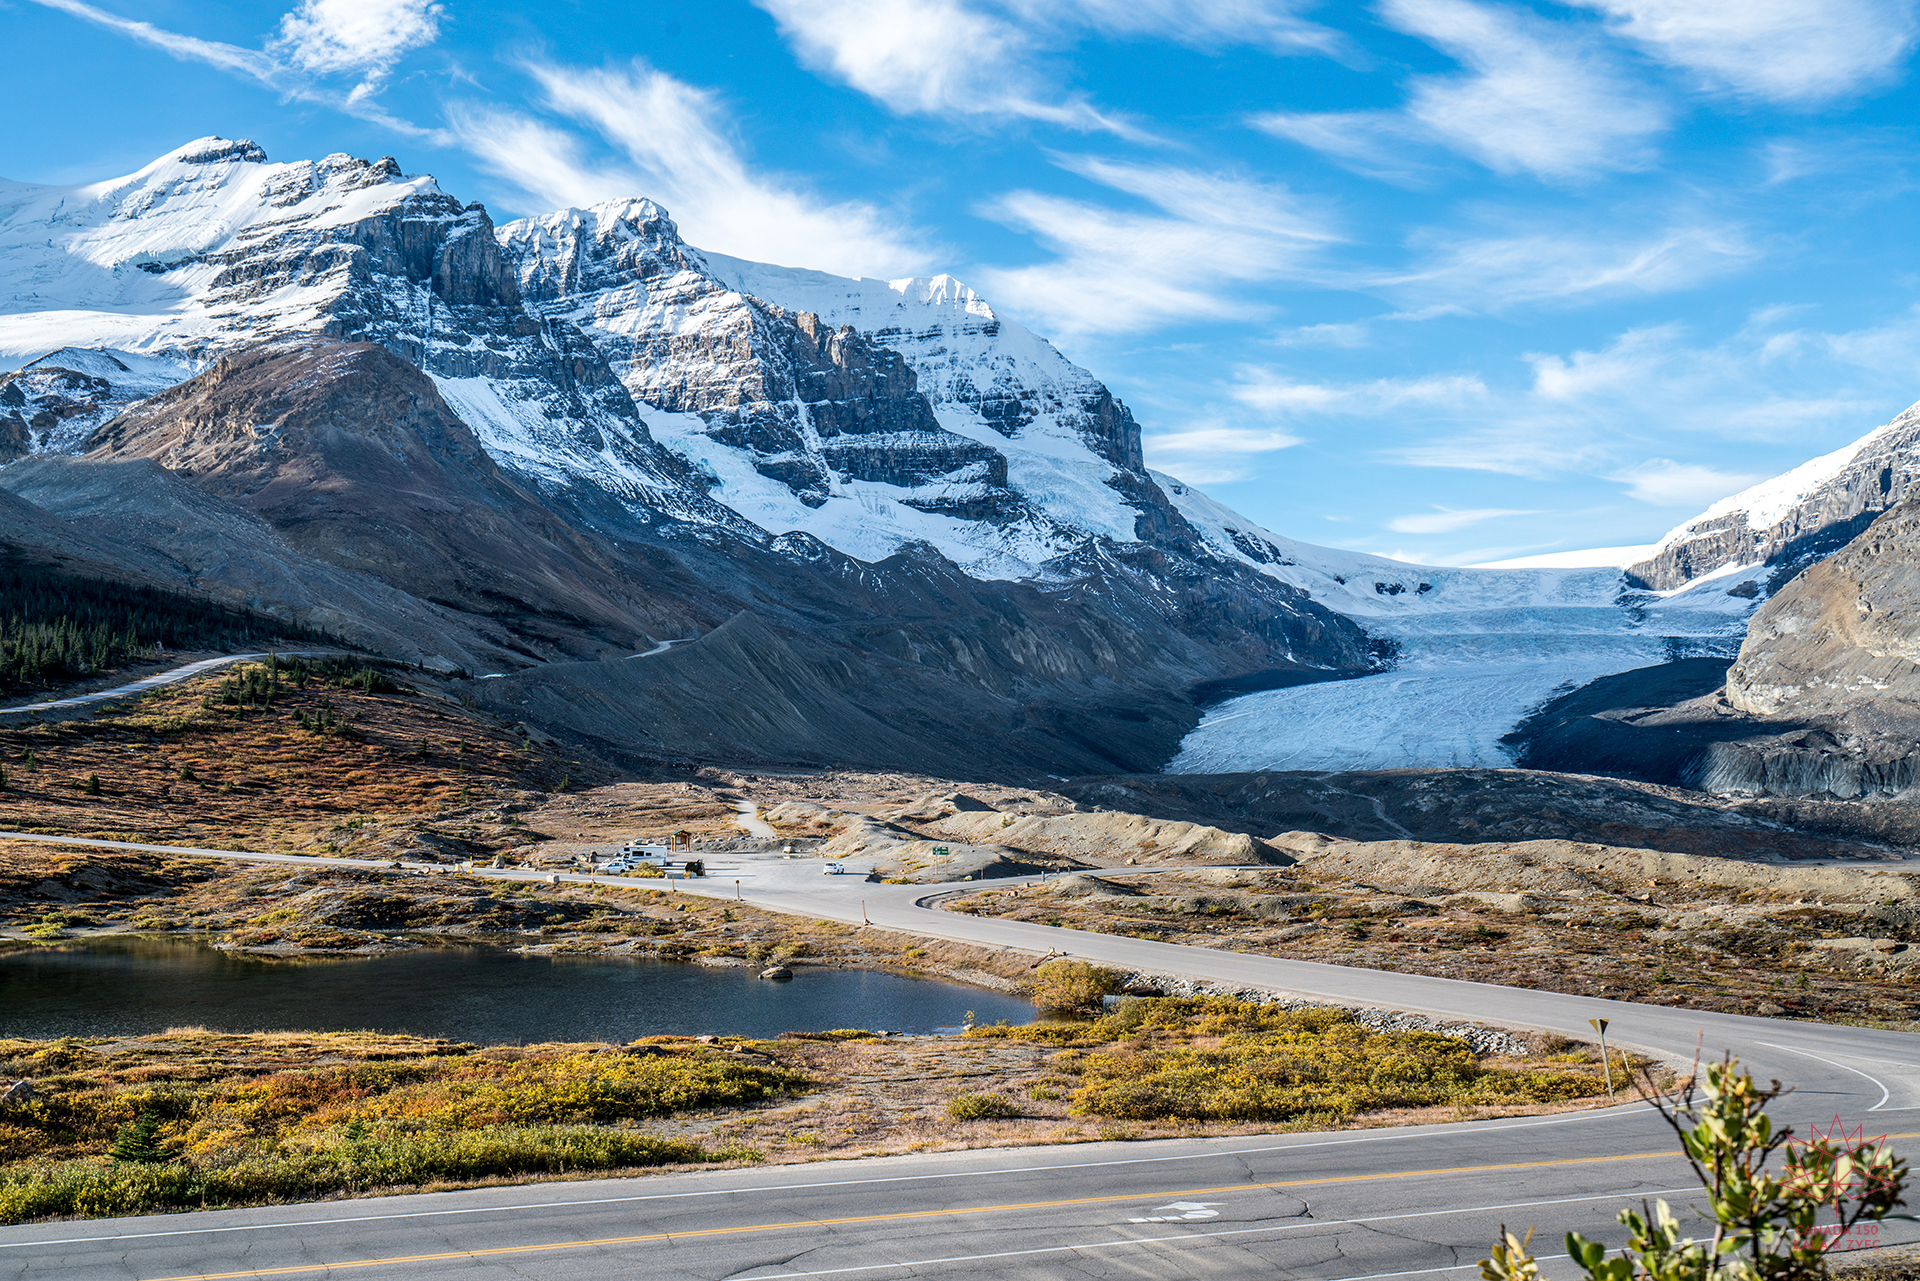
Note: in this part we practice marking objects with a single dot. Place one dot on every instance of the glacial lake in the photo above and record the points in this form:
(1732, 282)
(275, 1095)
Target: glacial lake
(131, 985)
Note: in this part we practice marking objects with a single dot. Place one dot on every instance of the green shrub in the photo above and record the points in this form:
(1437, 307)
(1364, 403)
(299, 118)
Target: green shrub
(1776, 1204)
(1072, 986)
(1263, 1063)
(137, 1139)
(981, 1107)
(91, 1188)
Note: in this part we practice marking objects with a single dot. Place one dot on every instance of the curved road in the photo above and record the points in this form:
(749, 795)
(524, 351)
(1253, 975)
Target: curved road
(171, 677)
(1367, 1205)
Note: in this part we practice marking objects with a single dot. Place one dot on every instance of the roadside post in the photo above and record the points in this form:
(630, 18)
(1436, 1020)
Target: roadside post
(736, 889)
(1600, 1026)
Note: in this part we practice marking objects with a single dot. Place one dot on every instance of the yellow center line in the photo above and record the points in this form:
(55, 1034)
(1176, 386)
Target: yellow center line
(908, 1214)
(690, 1234)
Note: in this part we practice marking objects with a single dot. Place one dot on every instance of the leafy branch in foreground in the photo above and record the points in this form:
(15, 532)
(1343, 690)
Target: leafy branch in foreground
(1768, 1225)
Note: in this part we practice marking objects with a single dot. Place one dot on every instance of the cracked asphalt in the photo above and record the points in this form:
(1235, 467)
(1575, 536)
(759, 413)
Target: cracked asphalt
(1413, 1202)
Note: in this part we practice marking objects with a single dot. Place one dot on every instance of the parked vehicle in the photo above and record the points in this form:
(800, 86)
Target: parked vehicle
(835, 869)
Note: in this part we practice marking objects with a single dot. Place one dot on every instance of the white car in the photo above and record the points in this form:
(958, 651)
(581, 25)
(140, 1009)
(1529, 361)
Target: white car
(835, 869)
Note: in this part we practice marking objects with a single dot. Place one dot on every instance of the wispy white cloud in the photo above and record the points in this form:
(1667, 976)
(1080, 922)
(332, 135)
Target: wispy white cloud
(246, 62)
(1265, 411)
(982, 59)
(1536, 97)
(1213, 452)
(346, 28)
(1512, 438)
(1274, 392)
(928, 57)
(1566, 264)
(1663, 482)
(1664, 415)
(1445, 520)
(1539, 100)
(1792, 51)
(1271, 24)
(1349, 334)
(1127, 270)
(675, 147)
(1376, 144)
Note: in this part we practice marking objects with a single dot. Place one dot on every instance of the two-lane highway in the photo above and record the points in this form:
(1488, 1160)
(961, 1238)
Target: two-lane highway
(1379, 1204)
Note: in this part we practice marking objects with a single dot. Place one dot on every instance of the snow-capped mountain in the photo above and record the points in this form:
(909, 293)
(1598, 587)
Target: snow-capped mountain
(212, 248)
(1796, 517)
(869, 414)
(1024, 455)
(904, 493)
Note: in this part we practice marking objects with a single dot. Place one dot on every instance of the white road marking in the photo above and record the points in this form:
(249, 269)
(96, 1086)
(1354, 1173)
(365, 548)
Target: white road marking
(1885, 1093)
(1183, 1210)
(1294, 1226)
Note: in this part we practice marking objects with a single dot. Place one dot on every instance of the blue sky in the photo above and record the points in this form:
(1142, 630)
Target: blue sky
(1448, 279)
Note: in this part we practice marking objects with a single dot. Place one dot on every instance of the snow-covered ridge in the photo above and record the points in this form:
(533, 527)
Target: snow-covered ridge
(745, 368)
(212, 248)
(143, 263)
(1809, 511)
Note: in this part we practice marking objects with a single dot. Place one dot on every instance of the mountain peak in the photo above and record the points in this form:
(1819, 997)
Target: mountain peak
(214, 149)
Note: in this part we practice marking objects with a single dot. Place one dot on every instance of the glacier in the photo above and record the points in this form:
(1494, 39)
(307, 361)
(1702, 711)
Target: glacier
(1477, 650)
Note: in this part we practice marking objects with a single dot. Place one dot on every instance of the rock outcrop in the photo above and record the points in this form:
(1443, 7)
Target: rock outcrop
(873, 405)
(1843, 634)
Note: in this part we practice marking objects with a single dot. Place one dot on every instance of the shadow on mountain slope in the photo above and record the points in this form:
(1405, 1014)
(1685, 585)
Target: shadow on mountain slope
(1472, 806)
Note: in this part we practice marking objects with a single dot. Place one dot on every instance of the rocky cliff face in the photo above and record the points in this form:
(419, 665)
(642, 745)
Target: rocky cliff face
(1073, 450)
(866, 432)
(1794, 519)
(1841, 639)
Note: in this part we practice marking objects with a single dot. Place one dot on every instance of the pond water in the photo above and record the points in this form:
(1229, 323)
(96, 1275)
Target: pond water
(130, 985)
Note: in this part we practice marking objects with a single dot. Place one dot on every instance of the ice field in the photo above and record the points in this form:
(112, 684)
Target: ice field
(1465, 679)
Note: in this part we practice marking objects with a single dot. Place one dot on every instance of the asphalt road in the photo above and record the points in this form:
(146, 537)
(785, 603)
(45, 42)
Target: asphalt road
(173, 676)
(1377, 1204)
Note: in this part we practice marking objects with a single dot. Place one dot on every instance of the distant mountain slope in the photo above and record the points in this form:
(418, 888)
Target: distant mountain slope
(352, 455)
(1794, 518)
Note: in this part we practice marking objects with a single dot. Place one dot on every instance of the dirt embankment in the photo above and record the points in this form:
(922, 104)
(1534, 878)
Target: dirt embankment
(1645, 925)
(1479, 806)
(955, 835)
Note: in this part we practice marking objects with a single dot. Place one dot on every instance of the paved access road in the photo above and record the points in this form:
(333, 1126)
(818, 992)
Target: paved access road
(1378, 1204)
(172, 676)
